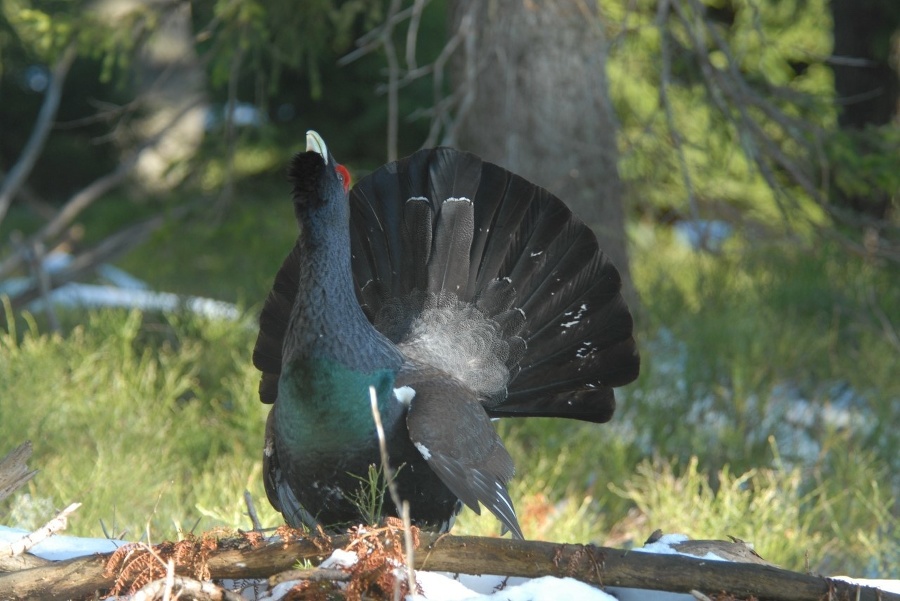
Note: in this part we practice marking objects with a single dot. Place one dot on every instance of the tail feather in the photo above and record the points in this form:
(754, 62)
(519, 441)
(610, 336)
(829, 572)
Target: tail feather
(515, 214)
(548, 279)
(449, 268)
(587, 404)
(449, 177)
(417, 243)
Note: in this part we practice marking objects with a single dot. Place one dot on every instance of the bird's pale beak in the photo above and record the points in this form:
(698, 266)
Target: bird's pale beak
(315, 143)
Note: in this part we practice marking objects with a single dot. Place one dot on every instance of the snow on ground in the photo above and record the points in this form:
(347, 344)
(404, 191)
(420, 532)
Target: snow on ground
(120, 289)
(59, 547)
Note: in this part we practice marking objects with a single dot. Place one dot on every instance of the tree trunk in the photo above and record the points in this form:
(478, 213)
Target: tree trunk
(540, 106)
(171, 81)
(866, 70)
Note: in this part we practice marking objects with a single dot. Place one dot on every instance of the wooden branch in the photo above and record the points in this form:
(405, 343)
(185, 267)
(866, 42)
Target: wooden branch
(85, 197)
(390, 54)
(58, 523)
(14, 472)
(20, 171)
(107, 250)
(474, 555)
(662, 13)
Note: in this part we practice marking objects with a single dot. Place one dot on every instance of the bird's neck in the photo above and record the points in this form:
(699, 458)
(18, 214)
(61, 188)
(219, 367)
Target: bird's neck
(326, 320)
(332, 354)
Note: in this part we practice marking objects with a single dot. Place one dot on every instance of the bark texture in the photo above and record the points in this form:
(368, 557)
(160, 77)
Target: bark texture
(540, 106)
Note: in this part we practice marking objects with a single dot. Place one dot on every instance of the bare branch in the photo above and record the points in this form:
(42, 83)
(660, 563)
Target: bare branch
(662, 12)
(86, 196)
(58, 523)
(14, 472)
(382, 445)
(390, 53)
(372, 40)
(230, 140)
(412, 33)
(251, 511)
(20, 171)
(113, 246)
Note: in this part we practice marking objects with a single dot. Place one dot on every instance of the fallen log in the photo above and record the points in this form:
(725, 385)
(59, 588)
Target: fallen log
(602, 566)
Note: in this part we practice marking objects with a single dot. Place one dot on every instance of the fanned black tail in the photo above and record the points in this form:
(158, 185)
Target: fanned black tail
(442, 221)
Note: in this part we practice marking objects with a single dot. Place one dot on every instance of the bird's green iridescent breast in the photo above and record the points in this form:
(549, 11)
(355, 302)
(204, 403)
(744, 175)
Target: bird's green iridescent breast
(324, 404)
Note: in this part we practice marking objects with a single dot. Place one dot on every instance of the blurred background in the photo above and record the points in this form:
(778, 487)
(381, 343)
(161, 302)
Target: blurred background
(738, 159)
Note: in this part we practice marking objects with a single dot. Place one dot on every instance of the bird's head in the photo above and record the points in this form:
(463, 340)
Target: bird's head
(320, 184)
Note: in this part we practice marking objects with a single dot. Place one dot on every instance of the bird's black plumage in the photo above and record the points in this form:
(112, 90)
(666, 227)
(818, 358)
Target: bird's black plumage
(460, 292)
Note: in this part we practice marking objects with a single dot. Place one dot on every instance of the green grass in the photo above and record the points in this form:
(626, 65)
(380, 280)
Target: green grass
(153, 423)
(148, 422)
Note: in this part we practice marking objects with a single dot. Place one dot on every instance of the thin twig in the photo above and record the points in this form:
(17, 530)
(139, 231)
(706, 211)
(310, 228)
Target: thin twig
(372, 40)
(387, 42)
(170, 580)
(662, 12)
(382, 446)
(410, 546)
(251, 511)
(402, 506)
(29, 540)
(234, 73)
(412, 33)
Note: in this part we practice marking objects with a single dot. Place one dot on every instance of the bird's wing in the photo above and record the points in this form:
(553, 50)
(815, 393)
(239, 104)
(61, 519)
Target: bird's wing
(450, 428)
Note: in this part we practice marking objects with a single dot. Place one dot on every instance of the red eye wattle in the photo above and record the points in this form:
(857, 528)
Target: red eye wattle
(344, 175)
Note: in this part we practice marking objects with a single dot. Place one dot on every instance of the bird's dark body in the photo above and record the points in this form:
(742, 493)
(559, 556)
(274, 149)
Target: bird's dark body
(331, 480)
(459, 292)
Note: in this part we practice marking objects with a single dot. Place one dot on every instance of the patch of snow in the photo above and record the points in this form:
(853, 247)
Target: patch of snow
(664, 545)
(59, 547)
(441, 587)
(340, 559)
(643, 594)
(125, 291)
(888, 586)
